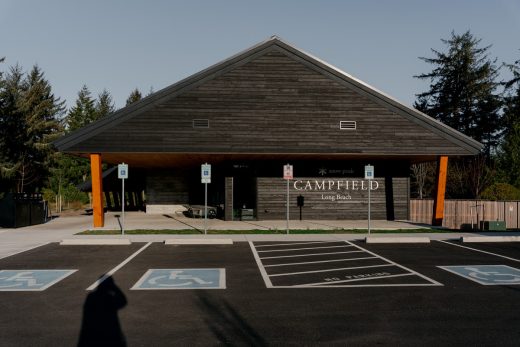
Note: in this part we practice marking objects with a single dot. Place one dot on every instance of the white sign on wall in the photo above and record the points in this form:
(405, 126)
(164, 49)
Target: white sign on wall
(205, 173)
(369, 172)
(122, 171)
(287, 172)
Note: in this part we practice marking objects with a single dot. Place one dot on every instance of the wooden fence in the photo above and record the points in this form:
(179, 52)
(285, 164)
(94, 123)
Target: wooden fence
(467, 214)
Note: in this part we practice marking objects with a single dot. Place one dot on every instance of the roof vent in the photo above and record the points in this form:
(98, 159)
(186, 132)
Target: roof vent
(347, 125)
(200, 123)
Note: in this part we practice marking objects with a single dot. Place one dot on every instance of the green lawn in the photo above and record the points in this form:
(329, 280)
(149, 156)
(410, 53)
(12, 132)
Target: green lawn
(258, 231)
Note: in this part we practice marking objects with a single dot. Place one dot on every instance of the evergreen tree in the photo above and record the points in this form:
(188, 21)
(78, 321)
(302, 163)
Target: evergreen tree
(463, 94)
(69, 171)
(11, 124)
(463, 90)
(509, 153)
(104, 104)
(3, 131)
(29, 122)
(134, 96)
(83, 112)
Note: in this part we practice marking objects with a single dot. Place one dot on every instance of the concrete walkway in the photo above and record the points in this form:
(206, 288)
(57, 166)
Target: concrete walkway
(13, 241)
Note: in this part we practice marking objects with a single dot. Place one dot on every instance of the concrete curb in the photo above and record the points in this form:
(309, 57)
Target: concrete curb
(470, 239)
(198, 242)
(85, 242)
(409, 239)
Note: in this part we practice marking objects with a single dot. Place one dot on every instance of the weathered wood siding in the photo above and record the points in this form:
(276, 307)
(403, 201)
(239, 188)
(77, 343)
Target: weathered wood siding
(271, 104)
(388, 201)
(463, 214)
(228, 204)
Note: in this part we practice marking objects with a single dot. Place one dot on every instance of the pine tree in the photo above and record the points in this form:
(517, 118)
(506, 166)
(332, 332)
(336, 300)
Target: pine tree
(134, 96)
(11, 124)
(83, 112)
(104, 104)
(463, 90)
(509, 153)
(3, 131)
(30, 121)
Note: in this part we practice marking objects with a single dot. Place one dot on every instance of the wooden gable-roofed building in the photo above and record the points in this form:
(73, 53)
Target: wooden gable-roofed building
(247, 116)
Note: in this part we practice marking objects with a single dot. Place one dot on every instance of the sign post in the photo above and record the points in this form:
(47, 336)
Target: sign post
(287, 175)
(369, 175)
(205, 176)
(122, 174)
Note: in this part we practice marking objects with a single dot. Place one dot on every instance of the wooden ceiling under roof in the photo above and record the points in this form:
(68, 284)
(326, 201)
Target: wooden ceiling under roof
(171, 160)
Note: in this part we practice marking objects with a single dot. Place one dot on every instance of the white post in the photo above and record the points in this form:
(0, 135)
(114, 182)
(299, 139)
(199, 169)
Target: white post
(287, 206)
(122, 174)
(123, 207)
(205, 208)
(369, 186)
(369, 175)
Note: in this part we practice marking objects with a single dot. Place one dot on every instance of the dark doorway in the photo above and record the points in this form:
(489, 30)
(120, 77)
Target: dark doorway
(244, 197)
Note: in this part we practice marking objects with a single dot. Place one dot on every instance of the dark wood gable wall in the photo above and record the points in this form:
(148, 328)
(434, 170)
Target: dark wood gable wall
(272, 104)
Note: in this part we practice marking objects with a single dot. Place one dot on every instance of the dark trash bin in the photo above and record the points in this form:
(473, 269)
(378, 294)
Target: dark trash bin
(22, 209)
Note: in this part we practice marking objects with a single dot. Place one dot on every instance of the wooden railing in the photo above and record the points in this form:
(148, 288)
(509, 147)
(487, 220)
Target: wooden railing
(467, 214)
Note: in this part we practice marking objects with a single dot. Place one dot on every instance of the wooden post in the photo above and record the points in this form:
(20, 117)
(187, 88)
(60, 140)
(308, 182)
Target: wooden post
(97, 190)
(438, 202)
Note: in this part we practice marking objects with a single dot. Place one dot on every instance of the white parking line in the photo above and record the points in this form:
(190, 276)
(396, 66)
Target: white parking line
(478, 250)
(353, 280)
(267, 281)
(24, 250)
(338, 283)
(330, 270)
(111, 272)
(301, 249)
(434, 282)
(319, 261)
(309, 255)
(296, 243)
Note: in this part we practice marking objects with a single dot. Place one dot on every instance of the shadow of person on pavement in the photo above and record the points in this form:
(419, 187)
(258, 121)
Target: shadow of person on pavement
(100, 326)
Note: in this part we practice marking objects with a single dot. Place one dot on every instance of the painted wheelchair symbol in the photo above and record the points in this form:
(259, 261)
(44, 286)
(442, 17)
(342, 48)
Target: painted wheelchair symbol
(21, 279)
(31, 280)
(492, 276)
(182, 279)
(175, 279)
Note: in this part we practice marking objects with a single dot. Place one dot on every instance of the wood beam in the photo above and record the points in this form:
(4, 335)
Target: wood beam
(438, 202)
(97, 190)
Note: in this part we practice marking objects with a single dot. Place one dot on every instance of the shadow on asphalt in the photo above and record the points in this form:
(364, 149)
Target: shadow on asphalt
(100, 325)
(226, 323)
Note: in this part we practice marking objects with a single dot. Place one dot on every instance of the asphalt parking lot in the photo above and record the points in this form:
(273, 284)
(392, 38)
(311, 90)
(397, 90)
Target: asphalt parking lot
(262, 293)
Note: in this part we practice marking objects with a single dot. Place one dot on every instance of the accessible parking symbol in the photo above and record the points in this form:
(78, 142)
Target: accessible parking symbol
(487, 274)
(182, 279)
(30, 280)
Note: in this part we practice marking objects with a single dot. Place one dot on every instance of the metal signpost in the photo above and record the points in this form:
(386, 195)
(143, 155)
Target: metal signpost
(369, 175)
(205, 176)
(122, 174)
(287, 175)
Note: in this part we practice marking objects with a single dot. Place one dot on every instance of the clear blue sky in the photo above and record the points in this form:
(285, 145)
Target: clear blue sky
(120, 45)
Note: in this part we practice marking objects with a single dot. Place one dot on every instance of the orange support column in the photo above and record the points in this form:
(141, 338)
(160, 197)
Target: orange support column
(438, 203)
(97, 190)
